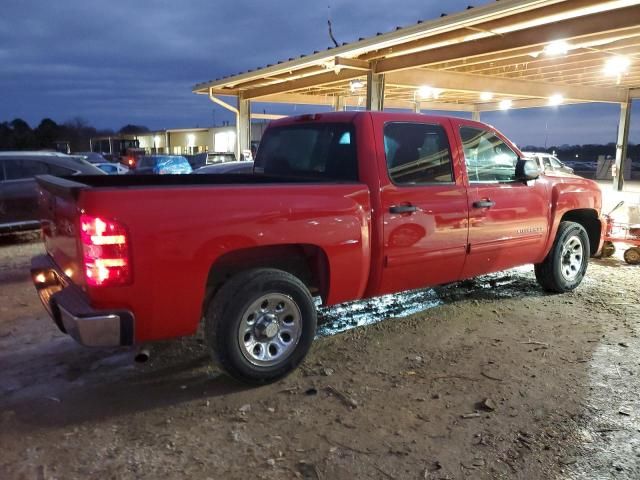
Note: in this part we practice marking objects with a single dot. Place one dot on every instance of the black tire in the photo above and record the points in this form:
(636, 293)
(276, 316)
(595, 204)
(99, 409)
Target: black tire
(632, 256)
(608, 249)
(550, 274)
(228, 309)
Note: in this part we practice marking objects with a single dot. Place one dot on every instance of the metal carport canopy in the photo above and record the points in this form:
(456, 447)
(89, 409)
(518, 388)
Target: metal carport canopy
(508, 54)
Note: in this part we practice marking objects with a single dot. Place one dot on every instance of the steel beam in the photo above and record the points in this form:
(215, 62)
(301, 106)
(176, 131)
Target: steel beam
(612, 20)
(375, 92)
(243, 141)
(467, 82)
(622, 143)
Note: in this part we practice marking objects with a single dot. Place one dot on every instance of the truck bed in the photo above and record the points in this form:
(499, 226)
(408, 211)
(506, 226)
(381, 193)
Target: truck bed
(180, 225)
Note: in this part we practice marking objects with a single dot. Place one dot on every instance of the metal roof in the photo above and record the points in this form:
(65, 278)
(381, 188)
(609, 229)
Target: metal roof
(526, 52)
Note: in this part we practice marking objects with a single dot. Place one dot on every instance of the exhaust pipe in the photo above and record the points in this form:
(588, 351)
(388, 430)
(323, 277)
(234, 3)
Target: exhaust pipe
(143, 354)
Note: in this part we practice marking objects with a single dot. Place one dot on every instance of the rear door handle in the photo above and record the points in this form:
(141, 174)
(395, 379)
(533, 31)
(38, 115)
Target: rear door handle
(403, 209)
(483, 204)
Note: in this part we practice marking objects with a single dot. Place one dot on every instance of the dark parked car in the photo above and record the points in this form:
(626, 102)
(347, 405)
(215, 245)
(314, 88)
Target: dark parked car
(228, 167)
(161, 165)
(18, 191)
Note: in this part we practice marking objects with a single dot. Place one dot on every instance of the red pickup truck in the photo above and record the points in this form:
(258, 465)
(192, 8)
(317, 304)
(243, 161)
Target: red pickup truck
(340, 206)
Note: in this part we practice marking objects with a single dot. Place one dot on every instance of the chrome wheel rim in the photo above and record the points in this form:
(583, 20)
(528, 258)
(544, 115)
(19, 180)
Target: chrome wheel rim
(270, 329)
(572, 258)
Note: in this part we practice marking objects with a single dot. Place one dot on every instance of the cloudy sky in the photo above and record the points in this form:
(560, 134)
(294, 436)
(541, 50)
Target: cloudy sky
(126, 61)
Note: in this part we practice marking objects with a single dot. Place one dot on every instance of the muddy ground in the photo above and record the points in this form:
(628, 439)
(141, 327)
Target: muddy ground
(495, 379)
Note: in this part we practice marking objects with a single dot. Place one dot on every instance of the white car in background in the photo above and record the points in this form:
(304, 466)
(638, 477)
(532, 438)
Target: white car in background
(112, 168)
(547, 162)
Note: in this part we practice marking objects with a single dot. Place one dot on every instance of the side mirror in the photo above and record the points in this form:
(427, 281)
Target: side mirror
(526, 170)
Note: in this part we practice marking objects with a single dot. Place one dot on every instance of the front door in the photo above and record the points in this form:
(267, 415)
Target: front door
(424, 207)
(508, 219)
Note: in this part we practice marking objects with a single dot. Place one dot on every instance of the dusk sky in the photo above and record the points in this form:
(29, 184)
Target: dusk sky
(122, 61)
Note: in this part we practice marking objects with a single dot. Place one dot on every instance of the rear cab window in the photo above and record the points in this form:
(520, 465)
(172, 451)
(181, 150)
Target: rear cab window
(326, 151)
(417, 154)
(487, 157)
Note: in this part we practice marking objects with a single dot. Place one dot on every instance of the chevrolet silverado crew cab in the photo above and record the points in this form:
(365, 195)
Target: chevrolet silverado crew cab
(340, 206)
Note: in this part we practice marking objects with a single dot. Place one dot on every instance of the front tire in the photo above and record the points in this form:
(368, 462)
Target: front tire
(566, 264)
(260, 325)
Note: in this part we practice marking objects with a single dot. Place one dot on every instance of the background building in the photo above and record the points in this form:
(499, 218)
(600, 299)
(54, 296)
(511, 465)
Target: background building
(191, 141)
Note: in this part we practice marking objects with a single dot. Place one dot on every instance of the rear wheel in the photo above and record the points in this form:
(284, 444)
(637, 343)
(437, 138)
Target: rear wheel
(632, 256)
(260, 325)
(608, 249)
(566, 264)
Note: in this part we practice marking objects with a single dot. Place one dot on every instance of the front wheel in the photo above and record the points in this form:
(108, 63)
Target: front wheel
(260, 325)
(566, 264)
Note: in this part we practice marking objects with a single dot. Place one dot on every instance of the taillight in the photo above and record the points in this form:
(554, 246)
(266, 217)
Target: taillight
(105, 252)
(131, 161)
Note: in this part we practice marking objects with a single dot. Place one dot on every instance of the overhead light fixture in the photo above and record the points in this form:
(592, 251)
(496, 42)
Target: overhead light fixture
(616, 66)
(505, 104)
(486, 96)
(428, 92)
(557, 47)
(555, 100)
(356, 85)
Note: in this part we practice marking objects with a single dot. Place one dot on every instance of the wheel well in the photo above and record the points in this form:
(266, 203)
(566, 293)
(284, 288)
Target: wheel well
(589, 220)
(306, 262)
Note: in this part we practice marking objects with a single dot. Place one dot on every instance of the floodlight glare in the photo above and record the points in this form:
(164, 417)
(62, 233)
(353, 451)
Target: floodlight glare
(556, 99)
(616, 66)
(557, 47)
(505, 104)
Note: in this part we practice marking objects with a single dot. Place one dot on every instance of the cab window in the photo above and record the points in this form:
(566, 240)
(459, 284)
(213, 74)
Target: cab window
(19, 169)
(417, 154)
(488, 158)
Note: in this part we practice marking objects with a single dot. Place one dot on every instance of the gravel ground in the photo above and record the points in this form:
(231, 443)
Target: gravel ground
(490, 378)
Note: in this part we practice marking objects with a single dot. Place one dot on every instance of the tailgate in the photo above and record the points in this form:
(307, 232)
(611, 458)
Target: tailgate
(59, 218)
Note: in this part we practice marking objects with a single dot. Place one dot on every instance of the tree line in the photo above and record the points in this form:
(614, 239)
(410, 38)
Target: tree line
(18, 134)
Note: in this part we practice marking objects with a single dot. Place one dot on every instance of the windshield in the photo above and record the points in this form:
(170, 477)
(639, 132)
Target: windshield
(321, 150)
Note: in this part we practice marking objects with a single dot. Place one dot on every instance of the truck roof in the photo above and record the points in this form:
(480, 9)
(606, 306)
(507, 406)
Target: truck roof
(341, 117)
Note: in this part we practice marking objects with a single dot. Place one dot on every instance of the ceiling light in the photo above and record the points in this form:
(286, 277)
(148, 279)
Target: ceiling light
(557, 47)
(356, 85)
(505, 104)
(486, 96)
(428, 92)
(616, 66)
(556, 99)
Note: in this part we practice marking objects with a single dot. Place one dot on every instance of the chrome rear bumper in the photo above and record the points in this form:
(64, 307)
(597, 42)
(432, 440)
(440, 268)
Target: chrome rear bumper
(69, 307)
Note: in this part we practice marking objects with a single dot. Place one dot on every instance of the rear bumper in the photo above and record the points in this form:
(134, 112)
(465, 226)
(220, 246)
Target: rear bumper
(69, 307)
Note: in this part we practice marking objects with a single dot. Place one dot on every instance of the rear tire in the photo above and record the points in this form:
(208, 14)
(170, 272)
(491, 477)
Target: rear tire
(632, 256)
(566, 264)
(260, 325)
(608, 249)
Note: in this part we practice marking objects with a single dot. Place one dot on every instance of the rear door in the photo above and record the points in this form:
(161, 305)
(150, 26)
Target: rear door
(18, 191)
(508, 219)
(424, 204)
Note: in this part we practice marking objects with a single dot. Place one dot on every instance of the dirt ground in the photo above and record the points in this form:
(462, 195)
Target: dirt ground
(485, 379)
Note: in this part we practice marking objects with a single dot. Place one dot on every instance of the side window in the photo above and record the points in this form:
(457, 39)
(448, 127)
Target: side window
(555, 163)
(417, 153)
(488, 158)
(1, 170)
(59, 171)
(21, 169)
(546, 163)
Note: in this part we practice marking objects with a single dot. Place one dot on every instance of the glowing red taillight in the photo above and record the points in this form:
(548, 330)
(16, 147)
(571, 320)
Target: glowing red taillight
(105, 252)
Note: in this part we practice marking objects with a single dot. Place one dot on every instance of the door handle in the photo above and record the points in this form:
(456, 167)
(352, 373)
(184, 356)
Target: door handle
(403, 209)
(483, 204)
